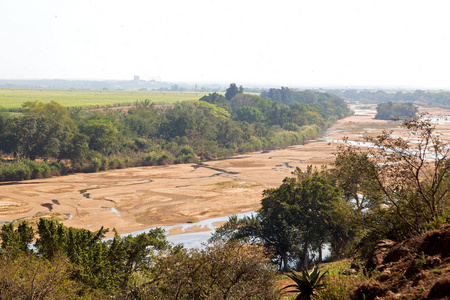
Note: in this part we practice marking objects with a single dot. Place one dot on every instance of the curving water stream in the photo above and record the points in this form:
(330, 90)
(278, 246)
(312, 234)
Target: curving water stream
(195, 239)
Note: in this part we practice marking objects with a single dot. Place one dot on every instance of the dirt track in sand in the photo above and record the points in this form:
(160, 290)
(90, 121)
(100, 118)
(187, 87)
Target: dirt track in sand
(139, 198)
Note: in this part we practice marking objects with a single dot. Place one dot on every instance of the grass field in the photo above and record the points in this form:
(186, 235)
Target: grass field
(13, 98)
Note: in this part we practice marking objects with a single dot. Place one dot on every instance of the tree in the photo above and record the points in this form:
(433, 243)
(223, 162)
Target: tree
(229, 134)
(216, 99)
(52, 110)
(105, 265)
(390, 111)
(296, 217)
(248, 114)
(34, 136)
(411, 173)
(131, 254)
(354, 174)
(78, 148)
(17, 240)
(143, 119)
(5, 146)
(27, 276)
(102, 135)
(220, 271)
(314, 205)
(45, 131)
(232, 91)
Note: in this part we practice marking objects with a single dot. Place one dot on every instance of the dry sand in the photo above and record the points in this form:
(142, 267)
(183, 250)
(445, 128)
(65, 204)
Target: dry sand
(138, 198)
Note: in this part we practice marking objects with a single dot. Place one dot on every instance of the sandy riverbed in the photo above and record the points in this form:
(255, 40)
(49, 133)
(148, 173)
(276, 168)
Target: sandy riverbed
(138, 198)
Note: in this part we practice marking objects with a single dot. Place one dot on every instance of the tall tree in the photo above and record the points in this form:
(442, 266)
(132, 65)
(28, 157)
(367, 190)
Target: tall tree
(232, 91)
(296, 217)
(102, 135)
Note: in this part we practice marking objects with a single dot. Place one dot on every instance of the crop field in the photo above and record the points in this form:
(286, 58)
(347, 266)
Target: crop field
(14, 98)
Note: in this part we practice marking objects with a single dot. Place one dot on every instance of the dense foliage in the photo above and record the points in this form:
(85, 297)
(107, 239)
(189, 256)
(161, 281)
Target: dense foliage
(69, 263)
(214, 126)
(395, 111)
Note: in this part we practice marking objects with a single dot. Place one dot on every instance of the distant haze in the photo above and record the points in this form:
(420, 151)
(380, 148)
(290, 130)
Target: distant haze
(328, 43)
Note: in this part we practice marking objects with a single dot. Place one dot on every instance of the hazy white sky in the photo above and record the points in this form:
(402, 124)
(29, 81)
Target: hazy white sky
(315, 43)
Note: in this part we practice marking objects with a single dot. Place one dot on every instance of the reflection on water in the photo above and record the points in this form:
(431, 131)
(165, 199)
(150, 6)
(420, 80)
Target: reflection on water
(193, 239)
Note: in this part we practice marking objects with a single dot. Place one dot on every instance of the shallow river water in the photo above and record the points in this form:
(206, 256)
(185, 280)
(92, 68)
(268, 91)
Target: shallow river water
(193, 239)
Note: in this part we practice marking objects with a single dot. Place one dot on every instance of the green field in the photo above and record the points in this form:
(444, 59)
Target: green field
(13, 98)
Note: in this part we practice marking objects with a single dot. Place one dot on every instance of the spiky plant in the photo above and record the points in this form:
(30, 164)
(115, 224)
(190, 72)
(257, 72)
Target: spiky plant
(306, 284)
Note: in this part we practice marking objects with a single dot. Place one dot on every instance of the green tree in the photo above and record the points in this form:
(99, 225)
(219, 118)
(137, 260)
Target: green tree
(103, 135)
(105, 265)
(78, 149)
(390, 111)
(144, 119)
(355, 175)
(132, 254)
(34, 136)
(232, 91)
(229, 134)
(248, 114)
(17, 240)
(52, 110)
(298, 216)
(215, 98)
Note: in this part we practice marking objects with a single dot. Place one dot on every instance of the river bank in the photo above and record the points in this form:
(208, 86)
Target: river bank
(144, 197)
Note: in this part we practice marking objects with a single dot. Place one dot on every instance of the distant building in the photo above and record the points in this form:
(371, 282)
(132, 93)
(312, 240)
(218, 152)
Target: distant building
(136, 80)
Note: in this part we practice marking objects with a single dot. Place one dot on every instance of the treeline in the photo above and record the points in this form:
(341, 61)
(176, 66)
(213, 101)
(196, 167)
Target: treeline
(47, 139)
(418, 97)
(70, 263)
(392, 111)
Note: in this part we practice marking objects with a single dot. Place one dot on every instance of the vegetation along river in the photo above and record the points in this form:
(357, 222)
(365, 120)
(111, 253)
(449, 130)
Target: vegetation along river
(135, 199)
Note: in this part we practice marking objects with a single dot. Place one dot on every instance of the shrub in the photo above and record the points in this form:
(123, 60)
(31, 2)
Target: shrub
(307, 284)
(221, 271)
(164, 159)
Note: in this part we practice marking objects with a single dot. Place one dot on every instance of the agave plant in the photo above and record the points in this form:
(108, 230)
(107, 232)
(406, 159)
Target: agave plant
(307, 284)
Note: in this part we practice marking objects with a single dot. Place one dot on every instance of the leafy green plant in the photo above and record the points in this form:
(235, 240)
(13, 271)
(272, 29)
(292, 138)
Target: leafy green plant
(422, 261)
(307, 284)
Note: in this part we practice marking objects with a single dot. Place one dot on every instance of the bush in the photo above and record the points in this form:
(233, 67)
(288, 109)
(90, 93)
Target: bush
(221, 271)
(165, 159)
(94, 166)
(57, 168)
(149, 160)
(38, 169)
(35, 278)
(16, 171)
(291, 127)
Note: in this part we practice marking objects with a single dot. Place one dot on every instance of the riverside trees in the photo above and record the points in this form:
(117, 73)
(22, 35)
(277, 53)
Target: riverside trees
(147, 135)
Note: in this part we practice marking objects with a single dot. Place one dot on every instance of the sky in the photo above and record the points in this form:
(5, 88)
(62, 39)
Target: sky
(314, 43)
